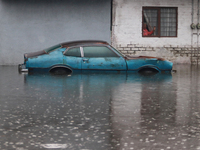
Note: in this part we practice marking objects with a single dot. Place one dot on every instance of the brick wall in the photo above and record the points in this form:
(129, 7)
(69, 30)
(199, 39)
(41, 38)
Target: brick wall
(127, 31)
(175, 54)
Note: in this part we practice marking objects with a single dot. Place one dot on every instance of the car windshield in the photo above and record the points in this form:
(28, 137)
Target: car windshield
(48, 50)
(117, 51)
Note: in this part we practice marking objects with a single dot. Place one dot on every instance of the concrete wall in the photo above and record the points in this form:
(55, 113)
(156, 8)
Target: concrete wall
(31, 25)
(127, 31)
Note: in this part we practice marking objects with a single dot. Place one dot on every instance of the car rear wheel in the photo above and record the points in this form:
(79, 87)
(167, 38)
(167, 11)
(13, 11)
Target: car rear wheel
(148, 71)
(60, 71)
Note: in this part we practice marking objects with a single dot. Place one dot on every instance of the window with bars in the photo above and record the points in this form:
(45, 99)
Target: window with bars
(159, 22)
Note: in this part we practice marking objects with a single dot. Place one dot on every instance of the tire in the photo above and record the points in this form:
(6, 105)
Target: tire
(60, 71)
(148, 71)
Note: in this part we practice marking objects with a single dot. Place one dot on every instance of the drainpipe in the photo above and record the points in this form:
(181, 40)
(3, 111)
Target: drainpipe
(113, 23)
(192, 27)
(198, 35)
(197, 26)
(192, 10)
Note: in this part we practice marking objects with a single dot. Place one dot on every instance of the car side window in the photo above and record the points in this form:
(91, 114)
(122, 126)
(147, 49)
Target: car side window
(75, 52)
(98, 51)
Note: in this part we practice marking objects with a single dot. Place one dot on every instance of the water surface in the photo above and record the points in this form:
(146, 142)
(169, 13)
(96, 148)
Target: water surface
(100, 111)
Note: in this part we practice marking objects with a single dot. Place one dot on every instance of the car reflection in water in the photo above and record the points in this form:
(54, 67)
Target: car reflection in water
(142, 112)
(99, 111)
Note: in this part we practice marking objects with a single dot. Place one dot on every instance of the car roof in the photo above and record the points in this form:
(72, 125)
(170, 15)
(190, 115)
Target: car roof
(84, 42)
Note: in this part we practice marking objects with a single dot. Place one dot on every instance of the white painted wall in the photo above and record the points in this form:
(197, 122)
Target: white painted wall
(127, 23)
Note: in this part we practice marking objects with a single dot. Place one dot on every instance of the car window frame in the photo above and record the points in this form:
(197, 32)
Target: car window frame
(82, 51)
(72, 48)
(87, 45)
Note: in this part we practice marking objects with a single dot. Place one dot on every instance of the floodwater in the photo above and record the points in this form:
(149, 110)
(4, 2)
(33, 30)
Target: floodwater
(100, 111)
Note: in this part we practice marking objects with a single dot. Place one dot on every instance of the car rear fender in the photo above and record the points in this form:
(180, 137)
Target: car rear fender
(151, 67)
(61, 67)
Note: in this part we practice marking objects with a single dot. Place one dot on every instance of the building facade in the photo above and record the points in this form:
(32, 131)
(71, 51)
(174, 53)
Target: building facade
(32, 25)
(177, 29)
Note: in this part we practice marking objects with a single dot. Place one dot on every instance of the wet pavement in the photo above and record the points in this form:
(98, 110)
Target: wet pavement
(100, 111)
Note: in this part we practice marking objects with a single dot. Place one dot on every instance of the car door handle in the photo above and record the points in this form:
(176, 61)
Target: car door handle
(85, 59)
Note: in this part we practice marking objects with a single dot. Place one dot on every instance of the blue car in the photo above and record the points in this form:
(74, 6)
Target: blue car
(69, 57)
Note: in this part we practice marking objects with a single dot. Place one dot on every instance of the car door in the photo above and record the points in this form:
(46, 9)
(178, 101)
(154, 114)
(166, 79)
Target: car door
(101, 58)
(72, 58)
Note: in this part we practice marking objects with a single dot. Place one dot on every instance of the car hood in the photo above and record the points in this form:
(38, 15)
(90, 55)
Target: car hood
(143, 57)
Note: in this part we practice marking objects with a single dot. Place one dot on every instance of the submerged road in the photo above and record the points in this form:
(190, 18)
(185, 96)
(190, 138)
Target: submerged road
(100, 111)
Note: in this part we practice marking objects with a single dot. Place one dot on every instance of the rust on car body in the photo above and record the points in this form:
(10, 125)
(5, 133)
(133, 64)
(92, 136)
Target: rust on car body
(143, 57)
(56, 57)
(34, 54)
(79, 43)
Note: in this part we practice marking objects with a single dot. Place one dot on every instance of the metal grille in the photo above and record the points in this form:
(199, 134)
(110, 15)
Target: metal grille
(168, 22)
(164, 19)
